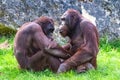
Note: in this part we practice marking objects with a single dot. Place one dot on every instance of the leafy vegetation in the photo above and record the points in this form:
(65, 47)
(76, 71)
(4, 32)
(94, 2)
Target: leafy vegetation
(108, 65)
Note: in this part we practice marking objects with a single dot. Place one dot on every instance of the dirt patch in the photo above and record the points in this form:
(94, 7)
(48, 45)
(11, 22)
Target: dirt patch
(4, 45)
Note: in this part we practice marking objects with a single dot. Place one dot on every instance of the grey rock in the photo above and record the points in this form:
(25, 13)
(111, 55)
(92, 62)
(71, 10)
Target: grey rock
(14, 13)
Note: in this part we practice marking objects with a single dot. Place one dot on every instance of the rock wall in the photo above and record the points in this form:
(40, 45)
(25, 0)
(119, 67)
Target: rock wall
(105, 14)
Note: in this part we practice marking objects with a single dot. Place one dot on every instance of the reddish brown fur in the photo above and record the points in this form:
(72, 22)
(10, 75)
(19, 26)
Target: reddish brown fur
(30, 42)
(84, 40)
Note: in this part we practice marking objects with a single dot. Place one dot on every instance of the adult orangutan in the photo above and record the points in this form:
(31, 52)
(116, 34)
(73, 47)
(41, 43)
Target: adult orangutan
(30, 42)
(84, 41)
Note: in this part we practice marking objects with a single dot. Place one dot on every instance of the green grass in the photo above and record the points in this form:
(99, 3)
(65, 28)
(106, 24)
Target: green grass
(108, 65)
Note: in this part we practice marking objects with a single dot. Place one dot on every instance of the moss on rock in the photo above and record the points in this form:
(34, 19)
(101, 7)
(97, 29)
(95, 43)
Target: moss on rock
(4, 30)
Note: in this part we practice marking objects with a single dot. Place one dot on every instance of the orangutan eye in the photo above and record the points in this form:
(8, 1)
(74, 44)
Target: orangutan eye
(63, 19)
